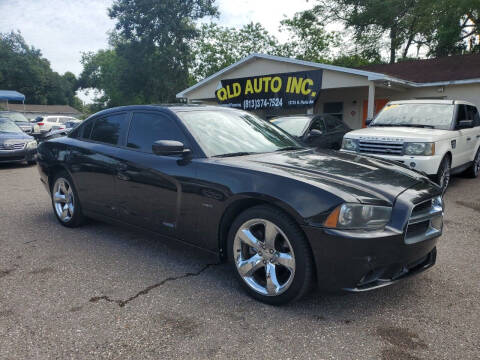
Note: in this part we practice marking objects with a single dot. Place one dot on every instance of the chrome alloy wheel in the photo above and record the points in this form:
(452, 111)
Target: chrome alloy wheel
(445, 176)
(63, 199)
(476, 163)
(264, 257)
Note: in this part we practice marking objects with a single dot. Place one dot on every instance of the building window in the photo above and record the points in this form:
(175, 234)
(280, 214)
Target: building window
(334, 109)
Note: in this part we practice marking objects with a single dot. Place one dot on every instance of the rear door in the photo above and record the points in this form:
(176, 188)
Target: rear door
(464, 141)
(94, 162)
(473, 134)
(335, 131)
(149, 187)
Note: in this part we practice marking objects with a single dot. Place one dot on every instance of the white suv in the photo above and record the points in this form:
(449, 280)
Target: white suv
(46, 123)
(437, 137)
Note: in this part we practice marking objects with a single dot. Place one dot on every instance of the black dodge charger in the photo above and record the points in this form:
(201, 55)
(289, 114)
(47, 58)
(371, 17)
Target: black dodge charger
(230, 183)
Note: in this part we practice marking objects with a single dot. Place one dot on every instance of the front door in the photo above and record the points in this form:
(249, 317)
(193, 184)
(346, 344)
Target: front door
(149, 187)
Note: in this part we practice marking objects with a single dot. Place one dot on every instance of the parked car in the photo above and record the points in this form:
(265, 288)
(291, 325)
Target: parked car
(437, 137)
(45, 123)
(15, 145)
(323, 131)
(239, 187)
(19, 119)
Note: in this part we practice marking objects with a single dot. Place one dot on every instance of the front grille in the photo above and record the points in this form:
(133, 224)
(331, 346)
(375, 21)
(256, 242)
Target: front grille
(12, 147)
(380, 147)
(422, 223)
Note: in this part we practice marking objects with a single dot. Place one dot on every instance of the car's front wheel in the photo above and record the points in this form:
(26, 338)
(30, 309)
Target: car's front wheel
(65, 202)
(270, 255)
(443, 174)
(474, 169)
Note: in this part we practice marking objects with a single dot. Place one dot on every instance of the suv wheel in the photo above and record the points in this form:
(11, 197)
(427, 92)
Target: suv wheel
(474, 169)
(443, 174)
(65, 202)
(270, 255)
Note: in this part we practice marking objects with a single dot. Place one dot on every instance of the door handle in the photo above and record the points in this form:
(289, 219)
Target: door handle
(468, 139)
(478, 136)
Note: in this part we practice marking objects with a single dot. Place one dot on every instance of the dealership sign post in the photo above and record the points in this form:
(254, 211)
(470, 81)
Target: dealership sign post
(295, 89)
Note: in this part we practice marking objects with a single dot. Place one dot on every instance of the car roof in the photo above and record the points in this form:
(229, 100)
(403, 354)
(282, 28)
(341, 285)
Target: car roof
(432, 101)
(175, 108)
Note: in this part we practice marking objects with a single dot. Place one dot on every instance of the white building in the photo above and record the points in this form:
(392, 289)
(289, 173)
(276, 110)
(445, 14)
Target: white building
(355, 94)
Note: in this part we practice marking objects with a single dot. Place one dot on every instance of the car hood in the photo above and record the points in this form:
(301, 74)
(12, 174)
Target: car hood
(14, 136)
(348, 175)
(398, 133)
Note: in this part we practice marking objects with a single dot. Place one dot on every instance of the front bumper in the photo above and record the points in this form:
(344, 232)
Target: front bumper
(356, 261)
(8, 156)
(364, 260)
(427, 164)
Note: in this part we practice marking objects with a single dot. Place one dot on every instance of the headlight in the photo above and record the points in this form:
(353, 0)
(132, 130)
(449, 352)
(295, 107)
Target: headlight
(420, 149)
(32, 145)
(359, 216)
(437, 202)
(349, 144)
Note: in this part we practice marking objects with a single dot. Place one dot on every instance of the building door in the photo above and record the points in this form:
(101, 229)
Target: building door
(379, 105)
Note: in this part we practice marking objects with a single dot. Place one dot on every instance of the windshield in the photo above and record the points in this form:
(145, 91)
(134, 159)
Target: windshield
(7, 126)
(293, 125)
(14, 116)
(438, 116)
(226, 132)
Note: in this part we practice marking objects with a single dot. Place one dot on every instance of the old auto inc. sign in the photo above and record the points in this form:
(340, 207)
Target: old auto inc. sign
(295, 89)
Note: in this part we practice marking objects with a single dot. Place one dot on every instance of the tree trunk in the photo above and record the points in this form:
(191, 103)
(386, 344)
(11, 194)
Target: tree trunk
(393, 44)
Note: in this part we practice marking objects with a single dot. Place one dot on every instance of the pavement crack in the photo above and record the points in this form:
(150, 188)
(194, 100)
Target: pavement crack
(122, 303)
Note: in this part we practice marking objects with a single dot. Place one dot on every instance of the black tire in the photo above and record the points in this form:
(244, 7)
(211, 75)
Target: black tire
(444, 173)
(32, 162)
(474, 169)
(303, 276)
(76, 219)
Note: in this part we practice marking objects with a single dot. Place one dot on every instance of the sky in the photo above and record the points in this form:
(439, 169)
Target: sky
(63, 29)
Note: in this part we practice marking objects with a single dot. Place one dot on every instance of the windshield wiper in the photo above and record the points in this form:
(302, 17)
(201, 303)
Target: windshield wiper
(406, 125)
(286, 148)
(240, 153)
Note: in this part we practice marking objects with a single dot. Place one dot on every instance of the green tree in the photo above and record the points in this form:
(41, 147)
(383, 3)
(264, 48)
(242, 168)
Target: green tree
(308, 39)
(22, 68)
(453, 27)
(218, 47)
(397, 20)
(150, 52)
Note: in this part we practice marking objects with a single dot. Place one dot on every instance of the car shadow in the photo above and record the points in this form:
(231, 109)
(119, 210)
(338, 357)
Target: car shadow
(215, 280)
(15, 165)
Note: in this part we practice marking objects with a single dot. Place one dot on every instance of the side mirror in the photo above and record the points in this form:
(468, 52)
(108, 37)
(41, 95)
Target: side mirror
(314, 133)
(368, 122)
(465, 124)
(168, 147)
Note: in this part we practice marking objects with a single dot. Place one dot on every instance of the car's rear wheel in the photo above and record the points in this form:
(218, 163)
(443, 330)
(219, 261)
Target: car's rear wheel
(474, 169)
(444, 173)
(65, 202)
(270, 255)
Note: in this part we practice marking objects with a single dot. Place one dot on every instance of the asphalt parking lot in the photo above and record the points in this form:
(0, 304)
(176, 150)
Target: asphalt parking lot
(105, 292)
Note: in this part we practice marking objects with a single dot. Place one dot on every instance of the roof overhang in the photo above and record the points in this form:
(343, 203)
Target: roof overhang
(371, 76)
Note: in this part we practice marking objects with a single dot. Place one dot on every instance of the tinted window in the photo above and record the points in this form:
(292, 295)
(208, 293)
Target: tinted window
(109, 129)
(333, 124)
(87, 129)
(318, 125)
(146, 128)
(472, 114)
(462, 114)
